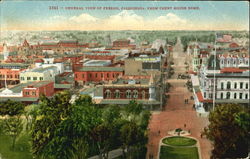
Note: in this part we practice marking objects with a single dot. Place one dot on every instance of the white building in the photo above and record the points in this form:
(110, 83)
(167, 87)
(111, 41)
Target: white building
(48, 62)
(231, 84)
(39, 74)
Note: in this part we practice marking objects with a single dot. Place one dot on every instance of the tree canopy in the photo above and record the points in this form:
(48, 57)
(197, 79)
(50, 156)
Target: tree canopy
(228, 130)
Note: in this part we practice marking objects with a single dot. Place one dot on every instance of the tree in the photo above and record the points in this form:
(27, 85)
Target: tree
(129, 136)
(225, 133)
(12, 123)
(133, 109)
(102, 136)
(52, 112)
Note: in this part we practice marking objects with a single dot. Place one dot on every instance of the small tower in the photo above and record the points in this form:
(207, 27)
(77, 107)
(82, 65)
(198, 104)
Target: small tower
(5, 52)
(151, 88)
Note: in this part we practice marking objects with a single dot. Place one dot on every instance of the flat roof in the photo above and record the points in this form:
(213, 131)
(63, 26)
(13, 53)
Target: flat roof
(126, 101)
(98, 68)
(20, 99)
(18, 88)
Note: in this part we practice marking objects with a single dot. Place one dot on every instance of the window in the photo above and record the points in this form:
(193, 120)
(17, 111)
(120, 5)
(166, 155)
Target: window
(246, 96)
(33, 93)
(128, 94)
(90, 75)
(143, 95)
(102, 75)
(27, 93)
(107, 75)
(210, 95)
(228, 85)
(228, 95)
(235, 95)
(117, 94)
(240, 95)
(22, 78)
(108, 94)
(34, 78)
(76, 75)
(246, 85)
(113, 75)
(222, 85)
(235, 85)
(241, 85)
(205, 95)
(221, 95)
(95, 75)
(41, 78)
(135, 94)
(205, 83)
(28, 78)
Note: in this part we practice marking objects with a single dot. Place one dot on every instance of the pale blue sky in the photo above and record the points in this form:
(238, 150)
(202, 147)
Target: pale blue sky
(235, 13)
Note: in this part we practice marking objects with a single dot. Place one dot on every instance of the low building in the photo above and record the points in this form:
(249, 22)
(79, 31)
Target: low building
(143, 89)
(143, 65)
(97, 74)
(39, 74)
(28, 92)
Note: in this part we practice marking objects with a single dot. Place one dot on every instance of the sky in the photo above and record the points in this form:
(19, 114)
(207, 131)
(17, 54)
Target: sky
(166, 15)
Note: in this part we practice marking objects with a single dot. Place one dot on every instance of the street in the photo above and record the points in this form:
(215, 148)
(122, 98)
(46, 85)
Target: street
(176, 112)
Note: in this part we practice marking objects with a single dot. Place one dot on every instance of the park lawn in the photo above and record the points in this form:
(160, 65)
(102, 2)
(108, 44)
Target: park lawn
(22, 148)
(168, 152)
(179, 141)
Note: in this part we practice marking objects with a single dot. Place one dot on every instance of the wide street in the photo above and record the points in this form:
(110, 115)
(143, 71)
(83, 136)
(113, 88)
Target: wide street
(176, 113)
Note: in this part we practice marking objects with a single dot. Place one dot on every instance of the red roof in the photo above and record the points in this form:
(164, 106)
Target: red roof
(39, 61)
(232, 70)
(201, 99)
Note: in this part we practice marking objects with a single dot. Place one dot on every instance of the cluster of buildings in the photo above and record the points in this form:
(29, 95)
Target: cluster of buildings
(114, 74)
(220, 72)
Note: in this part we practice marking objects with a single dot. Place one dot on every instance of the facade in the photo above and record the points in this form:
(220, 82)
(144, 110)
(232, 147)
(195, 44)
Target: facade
(143, 65)
(123, 44)
(35, 89)
(39, 74)
(10, 75)
(231, 84)
(97, 74)
(28, 92)
(142, 89)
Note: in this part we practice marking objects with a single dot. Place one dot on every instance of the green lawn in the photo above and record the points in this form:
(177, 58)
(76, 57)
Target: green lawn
(22, 148)
(179, 141)
(168, 152)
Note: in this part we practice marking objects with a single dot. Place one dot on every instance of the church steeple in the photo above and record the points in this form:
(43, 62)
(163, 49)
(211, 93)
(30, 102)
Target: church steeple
(25, 43)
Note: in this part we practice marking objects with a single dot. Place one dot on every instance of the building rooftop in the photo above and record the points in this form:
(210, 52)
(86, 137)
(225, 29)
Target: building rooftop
(41, 69)
(126, 101)
(18, 88)
(104, 69)
(6, 65)
(20, 99)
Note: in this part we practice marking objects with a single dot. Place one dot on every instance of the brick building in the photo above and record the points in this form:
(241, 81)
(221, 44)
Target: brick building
(36, 89)
(97, 74)
(123, 44)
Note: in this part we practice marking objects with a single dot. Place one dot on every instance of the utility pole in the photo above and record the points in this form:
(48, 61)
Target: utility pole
(214, 63)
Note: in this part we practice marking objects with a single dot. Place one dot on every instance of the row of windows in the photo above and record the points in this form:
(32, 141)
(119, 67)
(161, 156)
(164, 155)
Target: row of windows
(233, 62)
(228, 95)
(34, 78)
(108, 75)
(30, 93)
(9, 76)
(129, 94)
(235, 85)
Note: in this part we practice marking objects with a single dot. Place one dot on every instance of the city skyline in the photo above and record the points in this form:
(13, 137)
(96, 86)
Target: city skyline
(38, 16)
